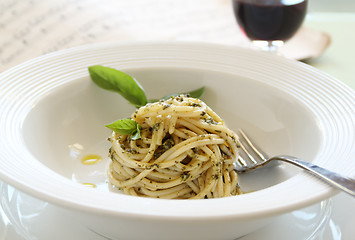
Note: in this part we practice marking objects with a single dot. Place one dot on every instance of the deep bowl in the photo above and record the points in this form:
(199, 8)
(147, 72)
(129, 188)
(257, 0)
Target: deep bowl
(52, 115)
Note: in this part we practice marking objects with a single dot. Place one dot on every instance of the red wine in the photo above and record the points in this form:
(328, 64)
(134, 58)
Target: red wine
(269, 22)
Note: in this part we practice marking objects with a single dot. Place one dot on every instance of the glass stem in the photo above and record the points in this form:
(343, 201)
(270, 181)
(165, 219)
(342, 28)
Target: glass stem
(268, 46)
(271, 47)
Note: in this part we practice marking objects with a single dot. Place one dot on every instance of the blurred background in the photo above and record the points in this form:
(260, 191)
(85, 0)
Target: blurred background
(30, 28)
(332, 5)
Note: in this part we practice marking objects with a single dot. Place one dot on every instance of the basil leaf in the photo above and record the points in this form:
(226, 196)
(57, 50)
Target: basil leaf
(120, 82)
(126, 127)
(197, 93)
(136, 136)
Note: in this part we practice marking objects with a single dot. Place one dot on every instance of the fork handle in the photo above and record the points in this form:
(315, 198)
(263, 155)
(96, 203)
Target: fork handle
(343, 183)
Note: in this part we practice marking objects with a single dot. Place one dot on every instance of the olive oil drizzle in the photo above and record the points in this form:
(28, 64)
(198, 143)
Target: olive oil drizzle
(89, 185)
(91, 159)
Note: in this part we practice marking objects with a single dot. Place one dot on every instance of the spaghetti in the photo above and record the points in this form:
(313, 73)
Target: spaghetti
(185, 151)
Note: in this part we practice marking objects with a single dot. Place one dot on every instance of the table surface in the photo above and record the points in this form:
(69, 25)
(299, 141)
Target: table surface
(32, 28)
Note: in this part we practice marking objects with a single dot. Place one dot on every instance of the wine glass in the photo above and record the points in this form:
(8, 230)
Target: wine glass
(269, 23)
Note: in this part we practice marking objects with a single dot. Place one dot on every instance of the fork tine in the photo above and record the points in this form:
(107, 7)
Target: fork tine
(252, 147)
(242, 162)
(251, 158)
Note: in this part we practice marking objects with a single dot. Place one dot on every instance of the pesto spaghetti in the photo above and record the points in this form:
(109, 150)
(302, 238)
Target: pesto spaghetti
(184, 150)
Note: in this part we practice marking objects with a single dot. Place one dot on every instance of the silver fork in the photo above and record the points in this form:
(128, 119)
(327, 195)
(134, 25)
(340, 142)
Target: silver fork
(254, 159)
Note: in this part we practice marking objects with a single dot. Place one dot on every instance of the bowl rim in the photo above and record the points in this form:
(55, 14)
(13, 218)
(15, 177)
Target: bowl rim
(195, 55)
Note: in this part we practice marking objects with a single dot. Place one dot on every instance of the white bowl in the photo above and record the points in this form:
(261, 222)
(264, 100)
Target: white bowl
(52, 115)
